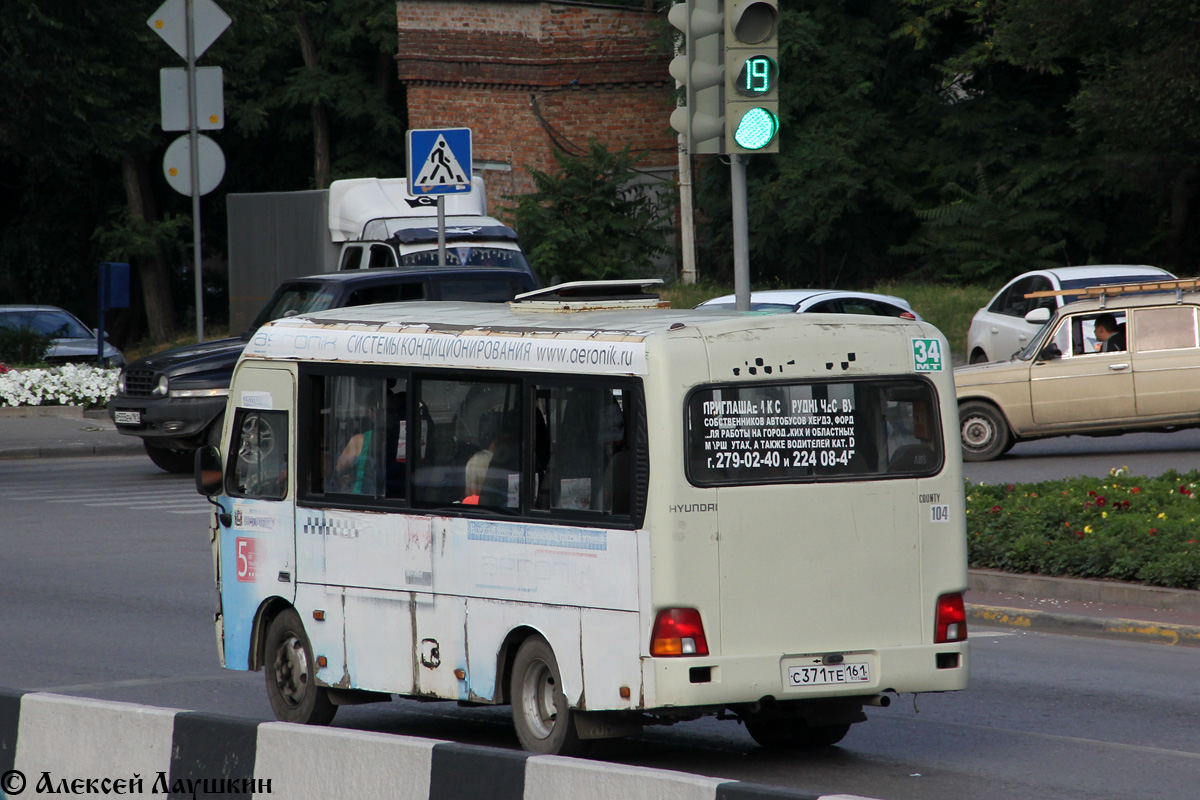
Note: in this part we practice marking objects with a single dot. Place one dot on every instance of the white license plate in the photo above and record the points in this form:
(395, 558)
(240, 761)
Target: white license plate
(825, 674)
(127, 417)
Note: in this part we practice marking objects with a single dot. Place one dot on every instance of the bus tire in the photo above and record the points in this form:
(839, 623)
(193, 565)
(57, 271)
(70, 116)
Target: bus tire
(983, 430)
(290, 671)
(780, 733)
(541, 716)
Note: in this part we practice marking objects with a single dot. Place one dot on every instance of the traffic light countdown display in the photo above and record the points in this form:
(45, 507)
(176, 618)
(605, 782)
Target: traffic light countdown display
(730, 73)
(752, 76)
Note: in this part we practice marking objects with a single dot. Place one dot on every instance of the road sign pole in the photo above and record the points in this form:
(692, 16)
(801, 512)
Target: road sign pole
(441, 206)
(194, 139)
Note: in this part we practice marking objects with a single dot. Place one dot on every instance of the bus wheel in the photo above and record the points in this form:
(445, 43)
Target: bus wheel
(780, 733)
(984, 432)
(291, 674)
(539, 707)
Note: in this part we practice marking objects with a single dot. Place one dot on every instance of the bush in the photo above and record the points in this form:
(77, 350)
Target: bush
(23, 346)
(1122, 527)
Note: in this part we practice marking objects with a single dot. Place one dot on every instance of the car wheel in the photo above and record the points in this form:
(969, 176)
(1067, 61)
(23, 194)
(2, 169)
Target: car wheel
(978, 357)
(291, 674)
(540, 712)
(984, 431)
(177, 461)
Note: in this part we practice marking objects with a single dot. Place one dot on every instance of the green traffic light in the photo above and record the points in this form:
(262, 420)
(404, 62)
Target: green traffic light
(756, 129)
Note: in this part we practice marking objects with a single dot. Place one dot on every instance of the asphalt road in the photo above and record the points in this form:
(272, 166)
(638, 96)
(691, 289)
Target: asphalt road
(107, 591)
(1068, 456)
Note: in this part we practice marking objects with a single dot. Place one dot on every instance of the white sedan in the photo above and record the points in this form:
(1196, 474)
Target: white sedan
(820, 301)
(1010, 319)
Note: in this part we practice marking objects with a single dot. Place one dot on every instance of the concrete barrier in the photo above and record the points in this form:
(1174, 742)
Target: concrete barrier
(53, 744)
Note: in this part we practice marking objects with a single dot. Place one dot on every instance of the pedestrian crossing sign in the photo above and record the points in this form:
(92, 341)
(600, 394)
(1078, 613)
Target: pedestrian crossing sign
(439, 161)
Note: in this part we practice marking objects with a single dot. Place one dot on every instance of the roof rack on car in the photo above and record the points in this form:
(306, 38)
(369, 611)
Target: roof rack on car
(1178, 285)
(592, 296)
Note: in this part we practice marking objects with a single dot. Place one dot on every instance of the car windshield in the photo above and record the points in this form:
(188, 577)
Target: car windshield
(56, 323)
(464, 256)
(296, 298)
(1035, 344)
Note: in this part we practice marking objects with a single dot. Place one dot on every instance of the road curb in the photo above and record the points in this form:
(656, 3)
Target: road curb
(1077, 625)
(69, 412)
(70, 450)
(1085, 590)
(136, 750)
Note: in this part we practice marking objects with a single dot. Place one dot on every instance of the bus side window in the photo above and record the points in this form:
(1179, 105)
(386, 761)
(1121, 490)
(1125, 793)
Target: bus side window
(361, 427)
(588, 467)
(464, 418)
(260, 442)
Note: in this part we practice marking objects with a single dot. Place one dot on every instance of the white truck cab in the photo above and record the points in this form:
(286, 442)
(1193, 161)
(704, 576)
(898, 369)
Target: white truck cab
(379, 223)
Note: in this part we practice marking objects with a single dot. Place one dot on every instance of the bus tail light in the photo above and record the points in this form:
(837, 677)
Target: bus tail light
(950, 623)
(678, 632)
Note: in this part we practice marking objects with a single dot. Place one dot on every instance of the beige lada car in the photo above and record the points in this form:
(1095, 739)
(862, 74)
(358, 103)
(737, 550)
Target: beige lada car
(1128, 360)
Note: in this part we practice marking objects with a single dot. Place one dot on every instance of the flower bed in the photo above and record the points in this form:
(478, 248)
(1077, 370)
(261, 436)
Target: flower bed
(68, 385)
(1121, 527)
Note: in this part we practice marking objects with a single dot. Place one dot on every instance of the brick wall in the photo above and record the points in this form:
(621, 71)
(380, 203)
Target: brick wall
(529, 75)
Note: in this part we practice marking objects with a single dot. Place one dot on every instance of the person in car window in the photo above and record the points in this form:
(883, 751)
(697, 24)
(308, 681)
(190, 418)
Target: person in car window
(1110, 334)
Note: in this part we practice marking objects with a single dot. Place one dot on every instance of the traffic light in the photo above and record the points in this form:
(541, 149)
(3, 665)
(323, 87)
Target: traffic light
(751, 76)
(699, 68)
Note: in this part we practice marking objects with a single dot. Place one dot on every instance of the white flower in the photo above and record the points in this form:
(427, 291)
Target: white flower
(70, 384)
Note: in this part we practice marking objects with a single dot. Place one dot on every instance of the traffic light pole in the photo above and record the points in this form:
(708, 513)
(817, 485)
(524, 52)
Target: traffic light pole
(741, 232)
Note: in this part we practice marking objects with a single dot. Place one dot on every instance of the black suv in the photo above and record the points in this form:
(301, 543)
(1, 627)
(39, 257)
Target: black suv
(175, 400)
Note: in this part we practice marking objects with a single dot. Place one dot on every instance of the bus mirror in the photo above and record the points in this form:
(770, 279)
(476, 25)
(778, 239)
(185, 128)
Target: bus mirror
(208, 471)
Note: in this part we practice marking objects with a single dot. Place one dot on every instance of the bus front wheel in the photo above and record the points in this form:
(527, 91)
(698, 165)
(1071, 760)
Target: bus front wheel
(291, 674)
(540, 712)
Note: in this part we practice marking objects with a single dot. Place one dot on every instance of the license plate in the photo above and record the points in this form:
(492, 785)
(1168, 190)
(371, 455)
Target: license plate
(825, 674)
(127, 417)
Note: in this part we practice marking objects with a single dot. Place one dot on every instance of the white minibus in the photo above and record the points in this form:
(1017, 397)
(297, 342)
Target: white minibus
(598, 510)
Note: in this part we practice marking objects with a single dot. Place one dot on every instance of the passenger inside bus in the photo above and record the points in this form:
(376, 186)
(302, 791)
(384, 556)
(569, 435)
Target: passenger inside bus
(476, 473)
(356, 467)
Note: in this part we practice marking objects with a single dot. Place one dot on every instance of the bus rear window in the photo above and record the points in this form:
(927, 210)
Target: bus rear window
(800, 432)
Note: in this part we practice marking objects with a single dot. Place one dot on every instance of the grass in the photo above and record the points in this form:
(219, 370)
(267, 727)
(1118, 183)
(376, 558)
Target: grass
(950, 308)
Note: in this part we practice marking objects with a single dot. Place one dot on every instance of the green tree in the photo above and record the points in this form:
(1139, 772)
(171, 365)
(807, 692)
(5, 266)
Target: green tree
(1127, 78)
(310, 95)
(857, 122)
(77, 135)
(596, 218)
(315, 73)
(987, 234)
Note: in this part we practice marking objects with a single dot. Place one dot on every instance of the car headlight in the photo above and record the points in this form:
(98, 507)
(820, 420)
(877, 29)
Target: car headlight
(161, 387)
(121, 382)
(217, 392)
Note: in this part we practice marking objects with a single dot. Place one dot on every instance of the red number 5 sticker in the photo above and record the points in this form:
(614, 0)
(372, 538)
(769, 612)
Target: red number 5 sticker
(247, 559)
